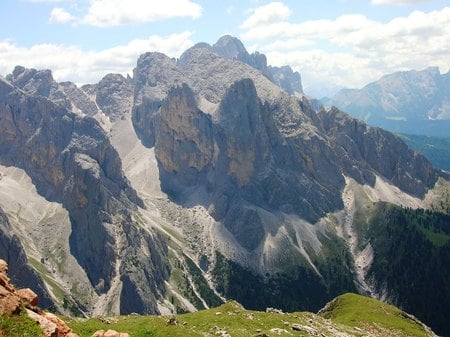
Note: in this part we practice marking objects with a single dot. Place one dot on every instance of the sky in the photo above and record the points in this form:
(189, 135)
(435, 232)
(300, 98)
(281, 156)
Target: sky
(332, 43)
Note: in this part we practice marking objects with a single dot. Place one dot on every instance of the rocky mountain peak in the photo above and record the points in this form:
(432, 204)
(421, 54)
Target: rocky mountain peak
(65, 94)
(230, 47)
(154, 70)
(287, 78)
(114, 95)
(32, 81)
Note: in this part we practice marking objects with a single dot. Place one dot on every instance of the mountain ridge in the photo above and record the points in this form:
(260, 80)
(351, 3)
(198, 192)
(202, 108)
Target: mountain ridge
(198, 175)
(413, 102)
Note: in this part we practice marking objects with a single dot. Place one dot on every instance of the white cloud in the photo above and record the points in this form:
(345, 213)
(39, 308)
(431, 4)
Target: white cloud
(271, 12)
(59, 15)
(70, 63)
(353, 50)
(44, 1)
(104, 13)
(398, 2)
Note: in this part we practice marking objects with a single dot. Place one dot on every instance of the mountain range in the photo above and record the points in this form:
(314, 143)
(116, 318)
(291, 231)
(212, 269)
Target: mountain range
(212, 177)
(411, 102)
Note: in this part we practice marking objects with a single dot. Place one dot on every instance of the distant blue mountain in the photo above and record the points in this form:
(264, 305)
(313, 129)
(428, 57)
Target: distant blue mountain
(413, 102)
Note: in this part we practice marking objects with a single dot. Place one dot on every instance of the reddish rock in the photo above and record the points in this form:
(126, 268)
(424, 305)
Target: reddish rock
(9, 300)
(28, 296)
(110, 333)
(49, 328)
(3, 267)
(4, 279)
(9, 304)
(62, 329)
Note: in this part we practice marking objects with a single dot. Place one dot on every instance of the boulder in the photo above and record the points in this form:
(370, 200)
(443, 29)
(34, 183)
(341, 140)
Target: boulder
(62, 329)
(49, 328)
(28, 296)
(9, 303)
(110, 333)
(3, 267)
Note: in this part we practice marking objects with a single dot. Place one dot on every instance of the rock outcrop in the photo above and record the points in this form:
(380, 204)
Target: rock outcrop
(110, 333)
(114, 96)
(13, 301)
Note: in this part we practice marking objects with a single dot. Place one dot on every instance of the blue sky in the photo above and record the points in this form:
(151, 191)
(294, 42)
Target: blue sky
(336, 42)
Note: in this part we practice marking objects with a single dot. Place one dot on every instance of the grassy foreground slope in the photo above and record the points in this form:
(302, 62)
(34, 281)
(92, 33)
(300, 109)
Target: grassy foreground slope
(231, 319)
(372, 315)
(19, 326)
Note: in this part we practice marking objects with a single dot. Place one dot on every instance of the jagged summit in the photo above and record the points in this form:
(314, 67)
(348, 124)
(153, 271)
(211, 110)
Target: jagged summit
(232, 48)
(229, 47)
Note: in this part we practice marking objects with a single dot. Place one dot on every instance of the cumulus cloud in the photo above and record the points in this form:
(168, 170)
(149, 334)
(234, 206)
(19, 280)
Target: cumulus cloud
(398, 2)
(70, 63)
(271, 12)
(352, 50)
(59, 15)
(104, 13)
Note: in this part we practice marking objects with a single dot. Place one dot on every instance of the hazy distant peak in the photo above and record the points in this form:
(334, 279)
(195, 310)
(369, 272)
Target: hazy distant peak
(229, 47)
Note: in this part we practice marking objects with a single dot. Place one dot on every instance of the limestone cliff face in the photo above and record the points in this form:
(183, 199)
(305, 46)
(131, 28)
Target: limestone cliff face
(184, 141)
(245, 160)
(71, 161)
(246, 143)
(365, 150)
(154, 75)
(255, 146)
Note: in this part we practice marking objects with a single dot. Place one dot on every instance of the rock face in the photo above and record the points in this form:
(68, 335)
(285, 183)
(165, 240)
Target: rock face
(20, 272)
(114, 94)
(365, 149)
(287, 79)
(71, 161)
(416, 102)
